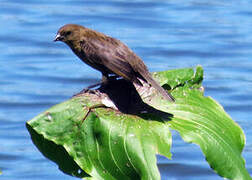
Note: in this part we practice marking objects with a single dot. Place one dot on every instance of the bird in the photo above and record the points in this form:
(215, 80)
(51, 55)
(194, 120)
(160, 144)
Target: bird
(108, 55)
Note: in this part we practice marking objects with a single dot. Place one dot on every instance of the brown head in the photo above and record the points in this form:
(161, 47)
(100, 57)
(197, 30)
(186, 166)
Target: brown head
(69, 33)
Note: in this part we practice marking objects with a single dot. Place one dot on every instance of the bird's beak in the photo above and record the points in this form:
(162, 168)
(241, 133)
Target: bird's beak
(58, 37)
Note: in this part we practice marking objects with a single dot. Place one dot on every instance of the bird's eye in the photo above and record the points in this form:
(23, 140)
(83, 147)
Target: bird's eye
(67, 33)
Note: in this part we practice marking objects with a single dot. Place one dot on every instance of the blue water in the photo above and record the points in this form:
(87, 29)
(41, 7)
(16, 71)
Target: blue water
(36, 73)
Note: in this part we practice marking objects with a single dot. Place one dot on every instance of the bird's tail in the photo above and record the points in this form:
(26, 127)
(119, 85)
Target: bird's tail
(161, 90)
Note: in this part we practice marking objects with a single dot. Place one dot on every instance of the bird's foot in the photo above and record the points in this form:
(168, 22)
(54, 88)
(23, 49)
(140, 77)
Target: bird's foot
(83, 91)
(88, 89)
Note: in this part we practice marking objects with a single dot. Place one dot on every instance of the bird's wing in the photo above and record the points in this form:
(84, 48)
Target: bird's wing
(114, 56)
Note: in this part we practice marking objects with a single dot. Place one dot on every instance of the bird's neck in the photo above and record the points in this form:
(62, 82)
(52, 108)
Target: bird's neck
(75, 46)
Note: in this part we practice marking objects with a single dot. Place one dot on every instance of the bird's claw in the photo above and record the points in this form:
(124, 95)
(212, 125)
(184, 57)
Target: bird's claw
(83, 91)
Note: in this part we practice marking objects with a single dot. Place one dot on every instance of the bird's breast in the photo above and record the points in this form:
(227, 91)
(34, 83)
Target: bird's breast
(92, 60)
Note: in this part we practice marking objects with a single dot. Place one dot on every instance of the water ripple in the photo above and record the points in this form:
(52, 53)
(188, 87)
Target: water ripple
(36, 73)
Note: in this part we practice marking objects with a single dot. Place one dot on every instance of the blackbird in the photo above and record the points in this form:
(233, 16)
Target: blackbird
(107, 55)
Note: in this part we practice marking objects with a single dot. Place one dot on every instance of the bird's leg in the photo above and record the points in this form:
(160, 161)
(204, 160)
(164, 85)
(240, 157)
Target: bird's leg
(90, 109)
(105, 79)
(90, 87)
(87, 89)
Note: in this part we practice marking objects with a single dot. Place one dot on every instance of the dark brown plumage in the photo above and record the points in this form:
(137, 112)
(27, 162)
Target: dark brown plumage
(107, 54)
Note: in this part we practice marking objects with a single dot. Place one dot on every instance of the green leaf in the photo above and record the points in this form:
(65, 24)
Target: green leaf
(110, 144)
